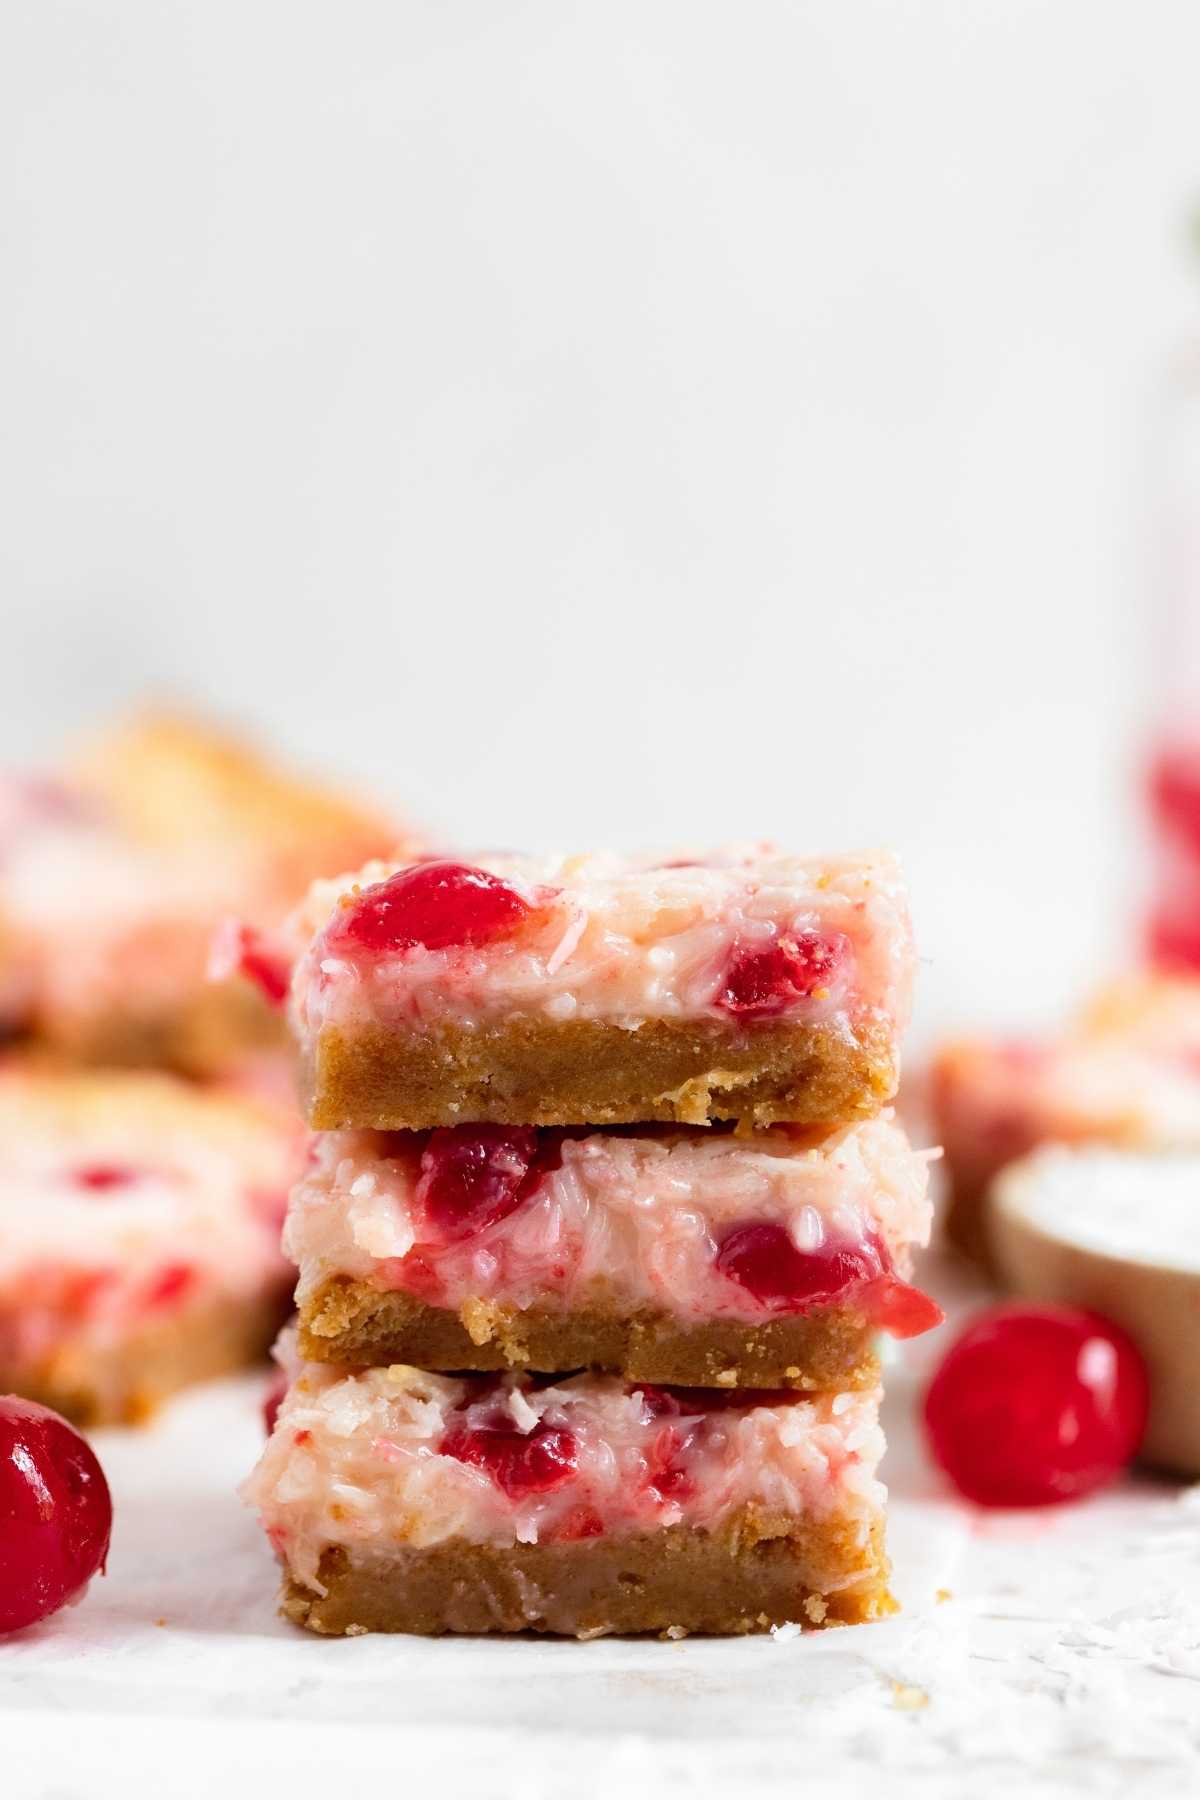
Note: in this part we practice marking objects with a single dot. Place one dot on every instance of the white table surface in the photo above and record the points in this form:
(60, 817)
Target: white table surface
(1051, 1653)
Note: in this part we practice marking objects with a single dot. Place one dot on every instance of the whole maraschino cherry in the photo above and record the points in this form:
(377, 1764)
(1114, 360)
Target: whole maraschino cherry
(1033, 1405)
(55, 1513)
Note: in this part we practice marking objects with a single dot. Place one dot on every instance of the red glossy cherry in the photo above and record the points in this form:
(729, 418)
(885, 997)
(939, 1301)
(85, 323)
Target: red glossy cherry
(1036, 1404)
(437, 904)
(55, 1513)
(765, 979)
(473, 1175)
(900, 1309)
(521, 1463)
(765, 1260)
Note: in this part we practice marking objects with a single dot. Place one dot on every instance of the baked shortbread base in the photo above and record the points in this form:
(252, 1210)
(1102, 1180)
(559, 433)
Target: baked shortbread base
(756, 1572)
(358, 1325)
(593, 1072)
(126, 1383)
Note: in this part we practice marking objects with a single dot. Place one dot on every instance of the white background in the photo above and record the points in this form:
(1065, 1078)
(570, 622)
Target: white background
(615, 422)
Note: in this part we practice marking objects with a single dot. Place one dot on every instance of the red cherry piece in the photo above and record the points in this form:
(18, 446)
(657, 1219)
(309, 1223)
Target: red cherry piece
(1036, 1404)
(900, 1309)
(437, 904)
(765, 1260)
(520, 1463)
(273, 1400)
(765, 979)
(473, 1175)
(55, 1513)
(241, 950)
(101, 1178)
(665, 1478)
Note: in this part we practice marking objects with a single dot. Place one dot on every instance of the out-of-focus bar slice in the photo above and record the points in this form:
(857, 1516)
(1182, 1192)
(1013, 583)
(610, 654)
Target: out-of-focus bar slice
(398, 1500)
(114, 878)
(1127, 1073)
(139, 1237)
(746, 985)
(671, 1254)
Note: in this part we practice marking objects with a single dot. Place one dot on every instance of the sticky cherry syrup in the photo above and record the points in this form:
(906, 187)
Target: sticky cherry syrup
(766, 1261)
(55, 1513)
(1034, 1405)
(435, 904)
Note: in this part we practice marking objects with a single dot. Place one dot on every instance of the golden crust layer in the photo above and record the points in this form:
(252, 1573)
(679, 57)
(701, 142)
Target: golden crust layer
(757, 1573)
(361, 1326)
(127, 1383)
(591, 1072)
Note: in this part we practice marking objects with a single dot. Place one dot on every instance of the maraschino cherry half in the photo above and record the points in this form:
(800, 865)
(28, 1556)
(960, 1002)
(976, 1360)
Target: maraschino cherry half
(1033, 1405)
(55, 1513)
(438, 905)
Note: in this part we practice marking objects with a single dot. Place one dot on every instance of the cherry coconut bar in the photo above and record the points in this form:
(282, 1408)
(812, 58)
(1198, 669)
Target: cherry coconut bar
(139, 1237)
(593, 990)
(115, 877)
(669, 1254)
(399, 1500)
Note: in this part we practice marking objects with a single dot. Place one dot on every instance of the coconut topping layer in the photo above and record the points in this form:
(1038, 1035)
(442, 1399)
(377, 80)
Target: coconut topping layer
(123, 1197)
(744, 935)
(697, 1224)
(397, 1456)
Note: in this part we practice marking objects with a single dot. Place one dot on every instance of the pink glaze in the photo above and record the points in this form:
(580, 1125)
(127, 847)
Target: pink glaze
(126, 1197)
(641, 1217)
(394, 1456)
(748, 934)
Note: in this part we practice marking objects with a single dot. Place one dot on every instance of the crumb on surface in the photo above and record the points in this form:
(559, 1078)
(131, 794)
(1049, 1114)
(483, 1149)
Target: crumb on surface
(942, 1595)
(908, 1698)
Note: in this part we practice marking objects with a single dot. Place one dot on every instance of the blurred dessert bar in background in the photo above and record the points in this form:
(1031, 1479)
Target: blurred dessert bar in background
(115, 874)
(669, 1254)
(399, 1500)
(595, 990)
(1126, 1073)
(139, 1235)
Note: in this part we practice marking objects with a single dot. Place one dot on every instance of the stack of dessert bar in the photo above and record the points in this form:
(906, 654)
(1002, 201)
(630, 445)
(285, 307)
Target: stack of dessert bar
(601, 1221)
(140, 1212)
